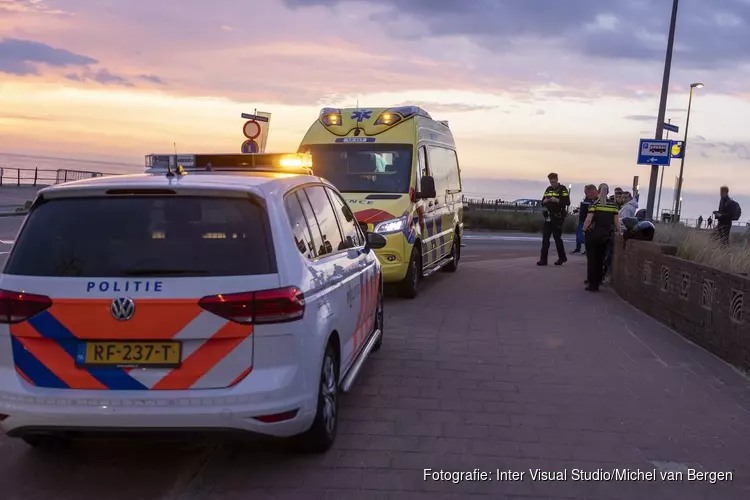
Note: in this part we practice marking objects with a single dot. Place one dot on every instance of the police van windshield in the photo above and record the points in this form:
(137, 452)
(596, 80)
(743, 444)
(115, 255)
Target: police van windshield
(363, 168)
(144, 236)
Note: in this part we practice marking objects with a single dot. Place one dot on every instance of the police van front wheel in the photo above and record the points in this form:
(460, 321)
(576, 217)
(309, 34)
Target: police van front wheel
(408, 288)
(452, 266)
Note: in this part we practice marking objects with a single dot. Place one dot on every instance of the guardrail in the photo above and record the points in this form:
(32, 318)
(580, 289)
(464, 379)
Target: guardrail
(10, 176)
(499, 205)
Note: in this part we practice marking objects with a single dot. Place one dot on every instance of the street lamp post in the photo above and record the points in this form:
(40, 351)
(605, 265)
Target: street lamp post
(654, 179)
(684, 147)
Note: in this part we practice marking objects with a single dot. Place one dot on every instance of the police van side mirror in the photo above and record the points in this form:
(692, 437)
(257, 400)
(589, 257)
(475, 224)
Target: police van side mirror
(427, 189)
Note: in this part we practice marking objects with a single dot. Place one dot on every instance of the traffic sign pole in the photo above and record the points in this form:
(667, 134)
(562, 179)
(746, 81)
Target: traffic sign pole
(662, 110)
(684, 150)
(661, 182)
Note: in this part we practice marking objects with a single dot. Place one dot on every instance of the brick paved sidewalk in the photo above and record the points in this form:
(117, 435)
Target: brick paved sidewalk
(508, 366)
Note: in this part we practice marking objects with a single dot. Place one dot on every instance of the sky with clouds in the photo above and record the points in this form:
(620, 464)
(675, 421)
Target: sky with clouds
(528, 86)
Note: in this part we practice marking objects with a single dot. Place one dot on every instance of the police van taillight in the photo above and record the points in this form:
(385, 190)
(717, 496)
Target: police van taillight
(263, 307)
(16, 307)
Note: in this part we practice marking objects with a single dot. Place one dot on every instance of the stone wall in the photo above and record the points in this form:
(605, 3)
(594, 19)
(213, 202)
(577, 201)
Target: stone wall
(699, 302)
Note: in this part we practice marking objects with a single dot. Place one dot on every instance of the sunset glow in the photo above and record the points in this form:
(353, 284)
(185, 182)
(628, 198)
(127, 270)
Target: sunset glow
(125, 78)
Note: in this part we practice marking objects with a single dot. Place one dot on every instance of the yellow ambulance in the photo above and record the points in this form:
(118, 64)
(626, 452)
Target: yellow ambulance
(398, 169)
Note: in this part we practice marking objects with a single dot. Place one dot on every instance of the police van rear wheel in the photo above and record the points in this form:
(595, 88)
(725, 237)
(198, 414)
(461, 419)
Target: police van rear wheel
(452, 266)
(409, 287)
(320, 437)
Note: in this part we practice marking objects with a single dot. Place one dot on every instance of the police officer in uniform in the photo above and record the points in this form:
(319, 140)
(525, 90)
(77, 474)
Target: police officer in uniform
(555, 201)
(600, 225)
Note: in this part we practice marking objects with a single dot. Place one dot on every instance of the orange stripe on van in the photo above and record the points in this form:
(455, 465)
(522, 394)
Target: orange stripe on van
(373, 301)
(158, 319)
(24, 376)
(197, 364)
(360, 313)
(233, 331)
(59, 362)
(206, 357)
(241, 377)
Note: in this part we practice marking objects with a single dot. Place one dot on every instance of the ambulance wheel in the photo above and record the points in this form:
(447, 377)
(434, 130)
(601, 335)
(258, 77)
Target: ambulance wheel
(320, 437)
(409, 287)
(452, 266)
(379, 318)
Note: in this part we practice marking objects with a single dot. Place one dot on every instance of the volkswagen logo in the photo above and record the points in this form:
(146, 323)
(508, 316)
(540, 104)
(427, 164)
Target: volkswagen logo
(122, 308)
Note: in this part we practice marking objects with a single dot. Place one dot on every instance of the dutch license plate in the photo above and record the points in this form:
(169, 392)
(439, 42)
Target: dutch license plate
(131, 354)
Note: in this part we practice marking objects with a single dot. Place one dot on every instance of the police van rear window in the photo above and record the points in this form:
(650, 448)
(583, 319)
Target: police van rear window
(144, 236)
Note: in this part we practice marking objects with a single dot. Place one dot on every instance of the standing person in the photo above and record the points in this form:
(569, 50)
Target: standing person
(617, 198)
(729, 210)
(700, 221)
(590, 194)
(628, 209)
(709, 222)
(555, 201)
(621, 198)
(601, 222)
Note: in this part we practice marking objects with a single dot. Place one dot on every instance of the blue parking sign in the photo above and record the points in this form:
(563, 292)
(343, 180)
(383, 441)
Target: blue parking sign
(654, 152)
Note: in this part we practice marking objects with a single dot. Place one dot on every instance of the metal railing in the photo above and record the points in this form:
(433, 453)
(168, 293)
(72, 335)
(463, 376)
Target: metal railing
(499, 205)
(10, 176)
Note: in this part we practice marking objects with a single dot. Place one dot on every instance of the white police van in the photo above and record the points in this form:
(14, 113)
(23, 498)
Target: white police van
(243, 300)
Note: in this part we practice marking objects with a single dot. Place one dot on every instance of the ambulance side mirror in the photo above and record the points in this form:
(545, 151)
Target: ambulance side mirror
(427, 189)
(375, 241)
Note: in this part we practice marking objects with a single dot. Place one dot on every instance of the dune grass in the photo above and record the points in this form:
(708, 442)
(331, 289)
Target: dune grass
(701, 246)
(527, 222)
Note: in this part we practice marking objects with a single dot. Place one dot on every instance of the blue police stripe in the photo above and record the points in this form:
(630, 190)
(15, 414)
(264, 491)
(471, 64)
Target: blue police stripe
(39, 374)
(114, 378)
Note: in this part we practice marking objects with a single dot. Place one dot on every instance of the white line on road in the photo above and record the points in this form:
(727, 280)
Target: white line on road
(7, 242)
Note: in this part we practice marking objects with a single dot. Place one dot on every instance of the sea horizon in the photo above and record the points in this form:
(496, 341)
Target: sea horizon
(506, 189)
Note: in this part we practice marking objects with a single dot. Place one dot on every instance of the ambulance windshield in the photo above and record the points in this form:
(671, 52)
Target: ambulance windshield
(364, 168)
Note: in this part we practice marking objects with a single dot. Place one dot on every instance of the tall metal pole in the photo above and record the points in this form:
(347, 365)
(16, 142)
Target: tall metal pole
(684, 150)
(662, 110)
(661, 182)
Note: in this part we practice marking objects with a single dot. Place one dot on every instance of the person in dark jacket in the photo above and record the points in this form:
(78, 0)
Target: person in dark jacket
(725, 215)
(555, 201)
(600, 225)
(590, 195)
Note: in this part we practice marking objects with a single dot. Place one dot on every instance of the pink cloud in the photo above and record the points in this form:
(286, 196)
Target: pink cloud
(260, 51)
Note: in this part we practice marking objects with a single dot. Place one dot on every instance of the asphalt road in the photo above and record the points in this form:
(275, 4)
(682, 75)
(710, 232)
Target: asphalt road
(502, 366)
(142, 469)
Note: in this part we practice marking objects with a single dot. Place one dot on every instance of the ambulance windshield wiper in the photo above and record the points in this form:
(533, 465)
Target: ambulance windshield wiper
(145, 271)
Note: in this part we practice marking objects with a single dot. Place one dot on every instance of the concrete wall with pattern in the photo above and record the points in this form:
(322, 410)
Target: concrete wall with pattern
(704, 305)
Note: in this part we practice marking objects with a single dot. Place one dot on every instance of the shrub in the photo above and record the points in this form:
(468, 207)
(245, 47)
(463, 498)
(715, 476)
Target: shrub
(701, 246)
(527, 222)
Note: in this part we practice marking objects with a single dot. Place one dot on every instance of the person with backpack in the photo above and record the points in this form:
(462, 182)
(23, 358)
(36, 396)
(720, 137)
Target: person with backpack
(729, 210)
